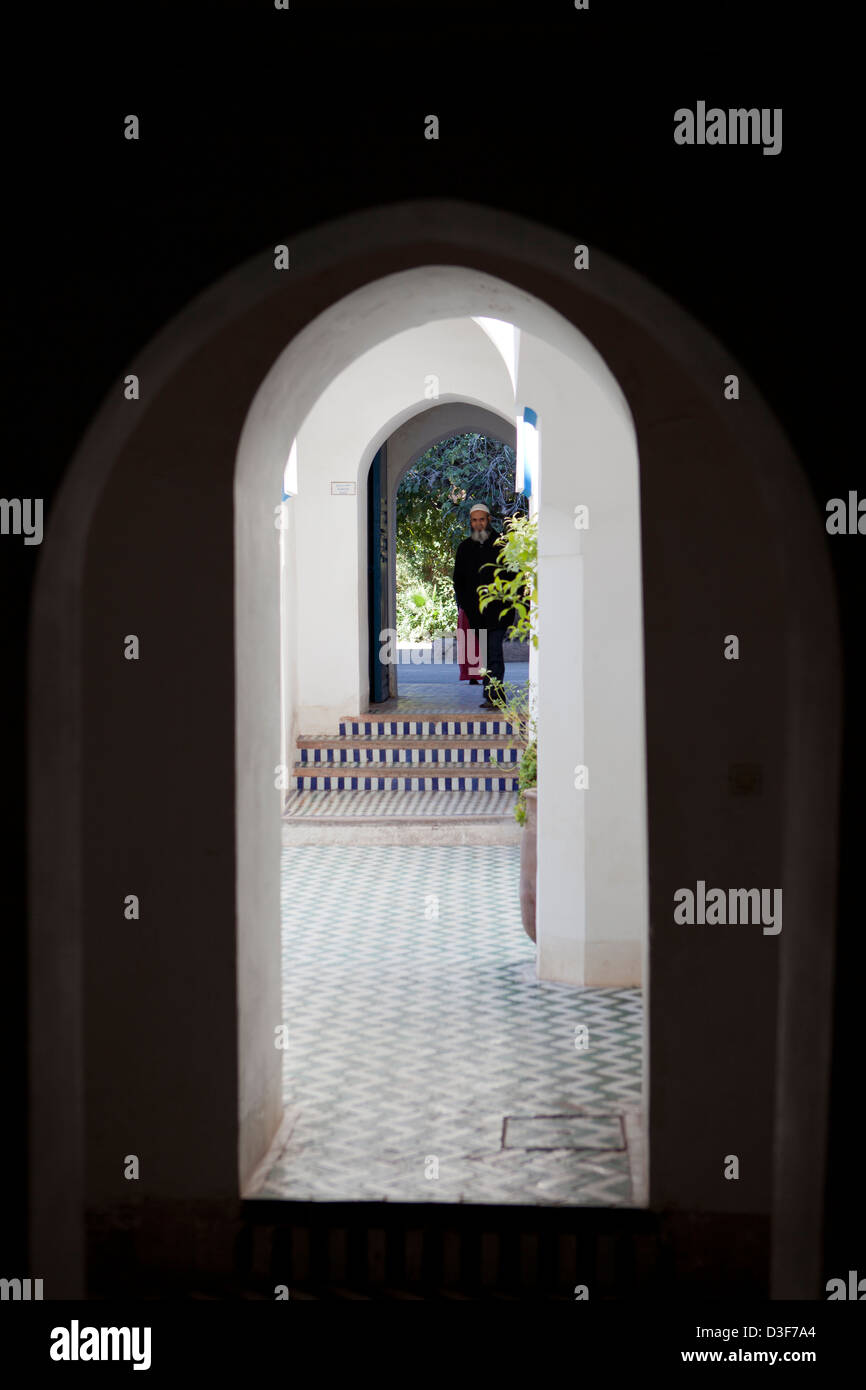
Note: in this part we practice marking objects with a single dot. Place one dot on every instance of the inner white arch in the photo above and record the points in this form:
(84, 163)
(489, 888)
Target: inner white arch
(394, 348)
(395, 381)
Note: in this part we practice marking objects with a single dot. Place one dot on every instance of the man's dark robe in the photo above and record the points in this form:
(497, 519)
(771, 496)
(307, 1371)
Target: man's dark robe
(475, 564)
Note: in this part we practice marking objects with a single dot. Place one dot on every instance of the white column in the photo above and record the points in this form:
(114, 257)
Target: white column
(591, 892)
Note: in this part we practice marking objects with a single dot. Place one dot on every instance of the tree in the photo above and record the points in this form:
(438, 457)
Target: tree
(433, 503)
(453, 474)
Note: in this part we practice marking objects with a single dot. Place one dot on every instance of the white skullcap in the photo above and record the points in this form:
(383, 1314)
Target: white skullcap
(479, 507)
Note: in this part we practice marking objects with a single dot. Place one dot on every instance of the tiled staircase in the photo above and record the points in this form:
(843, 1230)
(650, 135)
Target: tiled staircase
(438, 753)
(389, 768)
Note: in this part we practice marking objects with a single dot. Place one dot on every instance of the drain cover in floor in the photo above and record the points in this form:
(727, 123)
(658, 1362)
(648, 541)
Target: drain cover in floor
(563, 1132)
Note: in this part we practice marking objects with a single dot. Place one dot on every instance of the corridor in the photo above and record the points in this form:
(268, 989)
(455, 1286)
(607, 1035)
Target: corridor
(425, 1061)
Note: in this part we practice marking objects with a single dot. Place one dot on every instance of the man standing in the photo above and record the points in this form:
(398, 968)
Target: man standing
(474, 565)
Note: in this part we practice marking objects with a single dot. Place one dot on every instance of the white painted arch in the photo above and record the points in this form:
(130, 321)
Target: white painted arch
(592, 869)
(371, 399)
(592, 860)
(420, 433)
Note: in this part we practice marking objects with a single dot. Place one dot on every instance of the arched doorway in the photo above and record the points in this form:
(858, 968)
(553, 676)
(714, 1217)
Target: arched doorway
(592, 875)
(592, 878)
(696, 453)
(400, 453)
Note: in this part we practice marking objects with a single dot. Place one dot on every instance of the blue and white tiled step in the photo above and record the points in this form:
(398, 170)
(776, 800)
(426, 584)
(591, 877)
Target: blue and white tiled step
(432, 726)
(325, 777)
(438, 753)
(441, 752)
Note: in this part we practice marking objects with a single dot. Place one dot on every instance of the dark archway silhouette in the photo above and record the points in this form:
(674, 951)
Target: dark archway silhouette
(148, 503)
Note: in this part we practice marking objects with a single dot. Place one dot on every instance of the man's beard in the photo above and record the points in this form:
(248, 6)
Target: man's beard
(480, 536)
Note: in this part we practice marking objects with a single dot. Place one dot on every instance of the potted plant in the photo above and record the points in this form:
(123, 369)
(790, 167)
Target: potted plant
(515, 584)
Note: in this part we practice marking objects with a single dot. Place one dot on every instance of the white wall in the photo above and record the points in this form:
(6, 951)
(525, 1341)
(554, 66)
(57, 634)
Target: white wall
(288, 634)
(337, 441)
(592, 860)
(592, 888)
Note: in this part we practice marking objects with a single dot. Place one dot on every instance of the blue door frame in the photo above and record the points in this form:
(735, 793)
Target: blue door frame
(377, 572)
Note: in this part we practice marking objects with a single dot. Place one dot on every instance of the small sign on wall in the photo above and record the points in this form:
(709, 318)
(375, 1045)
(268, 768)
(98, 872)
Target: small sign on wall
(342, 489)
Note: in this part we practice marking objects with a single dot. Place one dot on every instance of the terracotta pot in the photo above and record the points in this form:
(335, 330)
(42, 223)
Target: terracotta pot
(528, 863)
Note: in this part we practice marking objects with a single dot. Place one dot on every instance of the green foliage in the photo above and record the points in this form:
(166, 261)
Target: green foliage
(513, 700)
(435, 496)
(515, 581)
(433, 502)
(527, 778)
(424, 610)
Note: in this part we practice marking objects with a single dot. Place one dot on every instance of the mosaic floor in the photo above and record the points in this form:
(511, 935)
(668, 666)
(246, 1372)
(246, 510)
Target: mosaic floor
(425, 1061)
(420, 805)
(439, 688)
